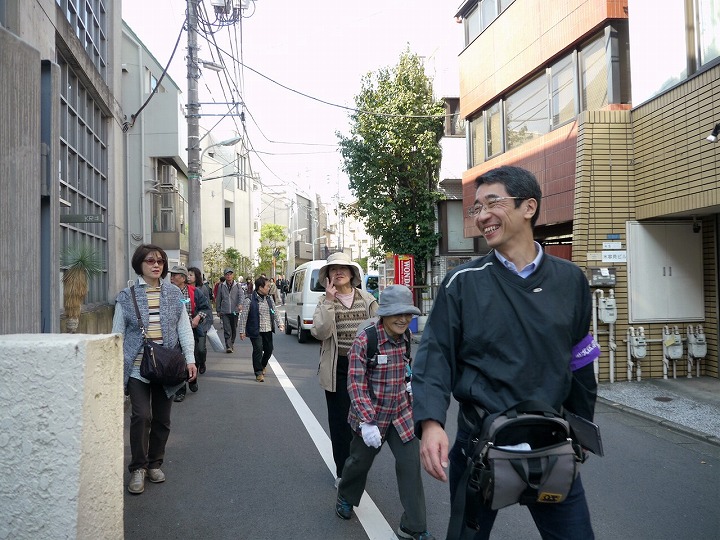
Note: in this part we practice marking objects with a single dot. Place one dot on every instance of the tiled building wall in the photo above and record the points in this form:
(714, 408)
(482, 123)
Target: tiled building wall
(604, 201)
(678, 174)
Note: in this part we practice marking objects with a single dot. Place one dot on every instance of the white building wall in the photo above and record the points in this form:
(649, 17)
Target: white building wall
(62, 450)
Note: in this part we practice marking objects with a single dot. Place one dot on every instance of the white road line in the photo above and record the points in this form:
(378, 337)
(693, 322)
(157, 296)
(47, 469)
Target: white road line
(372, 520)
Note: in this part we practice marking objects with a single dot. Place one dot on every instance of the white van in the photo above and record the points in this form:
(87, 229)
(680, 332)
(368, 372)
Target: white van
(300, 302)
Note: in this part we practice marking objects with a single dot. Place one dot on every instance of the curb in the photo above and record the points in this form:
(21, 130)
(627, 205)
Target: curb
(673, 426)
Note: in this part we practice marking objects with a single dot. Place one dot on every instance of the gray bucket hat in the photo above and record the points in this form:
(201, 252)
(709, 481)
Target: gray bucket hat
(396, 300)
(340, 259)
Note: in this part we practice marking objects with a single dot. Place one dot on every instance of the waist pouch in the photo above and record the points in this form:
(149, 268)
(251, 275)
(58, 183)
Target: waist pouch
(522, 455)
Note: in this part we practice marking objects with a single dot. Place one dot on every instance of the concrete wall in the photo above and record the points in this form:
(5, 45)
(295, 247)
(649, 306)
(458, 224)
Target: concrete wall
(61, 436)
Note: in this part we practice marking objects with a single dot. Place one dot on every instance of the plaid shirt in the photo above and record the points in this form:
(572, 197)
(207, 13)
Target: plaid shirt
(378, 395)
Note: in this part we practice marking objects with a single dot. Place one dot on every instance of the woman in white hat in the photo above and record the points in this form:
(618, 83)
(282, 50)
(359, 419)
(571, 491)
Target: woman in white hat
(337, 317)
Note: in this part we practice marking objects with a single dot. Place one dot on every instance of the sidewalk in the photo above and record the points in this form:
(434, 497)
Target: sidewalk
(690, 406)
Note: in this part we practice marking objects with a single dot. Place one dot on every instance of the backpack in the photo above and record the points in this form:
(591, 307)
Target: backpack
(524, 455)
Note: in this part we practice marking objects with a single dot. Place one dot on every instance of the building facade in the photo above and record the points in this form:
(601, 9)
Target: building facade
(60, 170)
(613, 119)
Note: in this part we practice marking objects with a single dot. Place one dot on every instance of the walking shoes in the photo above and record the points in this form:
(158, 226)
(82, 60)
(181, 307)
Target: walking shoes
(155, 475)
(343, 508)
(402, 532)
(137, 481)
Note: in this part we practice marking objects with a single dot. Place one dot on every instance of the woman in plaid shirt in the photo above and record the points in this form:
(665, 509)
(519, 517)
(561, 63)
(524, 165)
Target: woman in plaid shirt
(381, 410)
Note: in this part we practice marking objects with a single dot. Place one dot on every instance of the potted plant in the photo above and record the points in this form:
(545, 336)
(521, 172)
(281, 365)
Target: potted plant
(80, 262)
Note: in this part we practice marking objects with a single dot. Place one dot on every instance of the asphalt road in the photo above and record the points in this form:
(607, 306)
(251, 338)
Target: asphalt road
(250, 460)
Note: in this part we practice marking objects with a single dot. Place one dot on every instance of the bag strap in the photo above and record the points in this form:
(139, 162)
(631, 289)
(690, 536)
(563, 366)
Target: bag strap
(372, 344)
(137, 312)
(457, 526)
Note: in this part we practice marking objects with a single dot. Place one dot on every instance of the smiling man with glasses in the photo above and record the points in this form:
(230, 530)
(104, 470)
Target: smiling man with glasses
(507, 327)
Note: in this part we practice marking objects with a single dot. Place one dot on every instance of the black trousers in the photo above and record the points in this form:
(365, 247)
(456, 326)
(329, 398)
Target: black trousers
(262, 351)
(149, 424)
(338, 406)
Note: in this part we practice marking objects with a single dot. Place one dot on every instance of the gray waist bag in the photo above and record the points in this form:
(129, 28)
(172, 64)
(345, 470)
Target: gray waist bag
(522, 455)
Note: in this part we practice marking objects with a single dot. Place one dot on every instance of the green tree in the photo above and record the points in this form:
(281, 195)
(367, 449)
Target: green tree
(213, 262)
(392, 158)
(272, 244)
(242, 265)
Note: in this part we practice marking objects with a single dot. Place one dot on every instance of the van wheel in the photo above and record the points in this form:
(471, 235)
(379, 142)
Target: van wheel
(303, 335)
(288, 329)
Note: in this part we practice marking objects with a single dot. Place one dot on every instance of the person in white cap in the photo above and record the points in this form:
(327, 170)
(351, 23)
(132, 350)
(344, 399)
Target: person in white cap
(381, 411)
(337, 316)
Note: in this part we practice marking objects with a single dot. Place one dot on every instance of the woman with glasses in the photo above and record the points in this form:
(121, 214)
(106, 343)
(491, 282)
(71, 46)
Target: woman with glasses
(164, 317)
(337, 317)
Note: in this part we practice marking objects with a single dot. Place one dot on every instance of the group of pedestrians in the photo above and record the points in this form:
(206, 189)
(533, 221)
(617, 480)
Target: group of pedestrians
(507, 327)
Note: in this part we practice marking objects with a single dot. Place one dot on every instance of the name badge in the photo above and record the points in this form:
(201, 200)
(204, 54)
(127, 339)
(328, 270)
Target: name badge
(382, 358)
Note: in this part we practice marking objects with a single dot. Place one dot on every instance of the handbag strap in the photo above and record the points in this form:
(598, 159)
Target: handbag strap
(137, 312)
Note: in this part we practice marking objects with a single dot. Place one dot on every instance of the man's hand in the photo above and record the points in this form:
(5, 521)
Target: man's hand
(371, 435)
(330, 290)
(242, 336)
(434, 449)
(192, 372)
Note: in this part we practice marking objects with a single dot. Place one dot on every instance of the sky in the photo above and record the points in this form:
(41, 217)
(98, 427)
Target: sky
(321, 49)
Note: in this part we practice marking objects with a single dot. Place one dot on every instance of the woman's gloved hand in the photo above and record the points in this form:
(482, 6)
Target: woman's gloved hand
(371, 435)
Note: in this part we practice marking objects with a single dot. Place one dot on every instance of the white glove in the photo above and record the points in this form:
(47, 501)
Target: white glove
(408, 387)
(371, 435)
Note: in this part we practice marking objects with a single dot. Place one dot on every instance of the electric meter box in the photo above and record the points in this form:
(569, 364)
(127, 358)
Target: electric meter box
(601, 276)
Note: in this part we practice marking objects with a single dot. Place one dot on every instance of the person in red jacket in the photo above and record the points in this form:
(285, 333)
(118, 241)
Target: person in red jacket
(199, 311)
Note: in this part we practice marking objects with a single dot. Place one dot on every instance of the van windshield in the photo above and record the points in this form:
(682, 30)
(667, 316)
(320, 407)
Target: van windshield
(315, 285)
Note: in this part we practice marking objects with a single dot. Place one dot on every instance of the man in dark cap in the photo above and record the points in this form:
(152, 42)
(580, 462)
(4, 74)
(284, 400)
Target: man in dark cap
(228, 303)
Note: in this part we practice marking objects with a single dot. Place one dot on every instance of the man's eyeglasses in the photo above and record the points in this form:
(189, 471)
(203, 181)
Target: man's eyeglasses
(477, 208)
(151, 261)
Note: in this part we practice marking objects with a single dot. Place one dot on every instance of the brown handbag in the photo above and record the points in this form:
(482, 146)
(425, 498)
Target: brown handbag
(160, 364)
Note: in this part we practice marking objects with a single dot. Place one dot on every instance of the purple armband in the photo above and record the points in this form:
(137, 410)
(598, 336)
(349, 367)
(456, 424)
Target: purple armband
(585, 352)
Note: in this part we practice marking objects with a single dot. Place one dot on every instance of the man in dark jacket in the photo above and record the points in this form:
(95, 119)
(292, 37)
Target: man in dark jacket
(258, 320)
(200, 313)
(507, 327)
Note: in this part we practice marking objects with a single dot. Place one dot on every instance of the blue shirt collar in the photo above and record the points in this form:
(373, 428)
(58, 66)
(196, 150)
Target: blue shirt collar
(529, 269)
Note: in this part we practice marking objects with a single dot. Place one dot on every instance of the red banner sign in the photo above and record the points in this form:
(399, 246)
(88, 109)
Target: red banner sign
(404, 270)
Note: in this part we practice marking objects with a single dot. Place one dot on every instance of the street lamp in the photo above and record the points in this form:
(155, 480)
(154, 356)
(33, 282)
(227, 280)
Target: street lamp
(194, 205)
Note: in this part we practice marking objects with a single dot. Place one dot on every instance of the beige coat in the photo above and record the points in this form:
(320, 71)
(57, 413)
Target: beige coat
(324, 330)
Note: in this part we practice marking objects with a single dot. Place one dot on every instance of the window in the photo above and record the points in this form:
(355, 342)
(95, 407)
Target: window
(453, 236)
(89, 20)
(151, 82)
(472, 25)
(477, 141)
(227, 218)
(493, 131)
(454, 123)
(594, 77)
(83, 157)
(489, 12)
(562, 88)
(708, 31)
(526, 113)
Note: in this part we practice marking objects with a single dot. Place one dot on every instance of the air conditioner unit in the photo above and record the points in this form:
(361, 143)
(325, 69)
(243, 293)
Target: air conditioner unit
(168, 177)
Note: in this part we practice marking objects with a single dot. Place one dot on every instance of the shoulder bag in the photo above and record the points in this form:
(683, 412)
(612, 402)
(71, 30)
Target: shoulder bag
(524, 455)
(160, 364)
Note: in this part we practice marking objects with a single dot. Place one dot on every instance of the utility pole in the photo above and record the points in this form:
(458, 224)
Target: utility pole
(193, 120)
